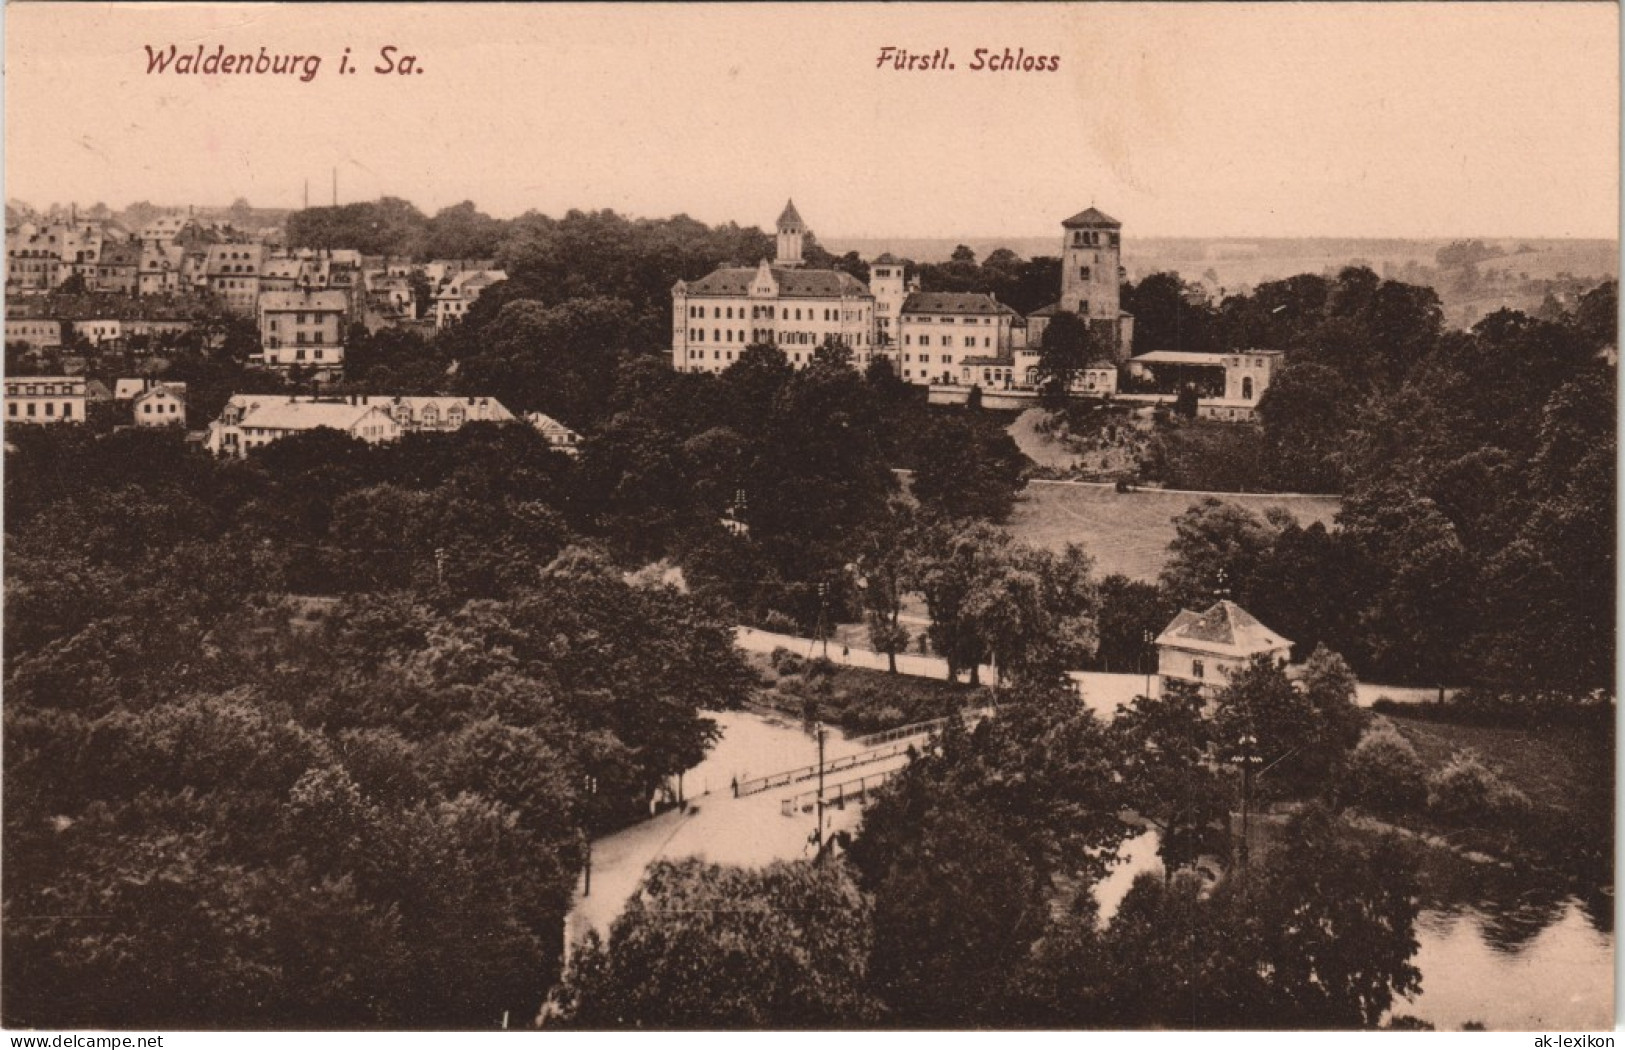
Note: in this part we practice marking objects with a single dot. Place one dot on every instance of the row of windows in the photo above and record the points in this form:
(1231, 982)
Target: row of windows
(43, 390)
(759, 312)
(762, 335)
(920, 319)
(171, 408)
(49, 413)
(969, 341)
(728, 355)
(1083, 238)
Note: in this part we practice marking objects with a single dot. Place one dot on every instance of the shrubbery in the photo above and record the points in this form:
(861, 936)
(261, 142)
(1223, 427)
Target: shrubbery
(1467, 789)
(785, 662)
(1485, 707)
(1384, 773)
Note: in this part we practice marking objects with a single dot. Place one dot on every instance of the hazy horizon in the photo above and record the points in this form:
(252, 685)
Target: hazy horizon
(846, 237)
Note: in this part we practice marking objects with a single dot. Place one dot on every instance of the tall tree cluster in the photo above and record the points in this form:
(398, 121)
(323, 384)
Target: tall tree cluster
(285, 737)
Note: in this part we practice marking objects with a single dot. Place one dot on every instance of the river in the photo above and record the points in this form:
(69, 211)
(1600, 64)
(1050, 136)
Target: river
(1521, 958)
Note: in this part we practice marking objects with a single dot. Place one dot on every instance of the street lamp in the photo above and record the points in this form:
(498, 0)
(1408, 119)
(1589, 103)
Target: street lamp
(1247, 758)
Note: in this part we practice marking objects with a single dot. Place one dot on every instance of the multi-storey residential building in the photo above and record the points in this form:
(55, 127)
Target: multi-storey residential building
(783, 305)
(952, 337)
(303, 328)
(35, 333)
(160, 270)
(233, 273)
(458, 293)
(118, 269)
(33, 259)
(45, 399)
(102, 330)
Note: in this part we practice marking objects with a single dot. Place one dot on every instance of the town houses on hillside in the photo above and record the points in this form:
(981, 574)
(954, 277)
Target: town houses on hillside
(951, 342)
(90, 281)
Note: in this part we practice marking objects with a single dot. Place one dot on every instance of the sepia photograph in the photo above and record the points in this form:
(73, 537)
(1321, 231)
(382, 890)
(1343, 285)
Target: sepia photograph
(809, 517)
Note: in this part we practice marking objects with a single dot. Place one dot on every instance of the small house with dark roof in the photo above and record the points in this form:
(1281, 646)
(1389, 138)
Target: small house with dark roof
(1205, 649)
(781, 304)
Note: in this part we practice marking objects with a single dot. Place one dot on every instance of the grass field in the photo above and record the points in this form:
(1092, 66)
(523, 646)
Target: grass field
(1129, 532)
(1565, 768)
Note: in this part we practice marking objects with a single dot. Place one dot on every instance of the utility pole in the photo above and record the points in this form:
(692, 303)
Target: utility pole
(335, 187)
(592, 792)
(818, 833)
(1146, 637)
(823, 611)
(1247, 758)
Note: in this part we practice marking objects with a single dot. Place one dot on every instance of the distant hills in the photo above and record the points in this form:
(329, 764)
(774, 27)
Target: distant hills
(1524, 272)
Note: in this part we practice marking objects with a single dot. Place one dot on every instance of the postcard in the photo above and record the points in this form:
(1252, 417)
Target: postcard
(809, 517)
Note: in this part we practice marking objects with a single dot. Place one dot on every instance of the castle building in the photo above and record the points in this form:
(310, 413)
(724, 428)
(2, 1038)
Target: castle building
(890, 290)
(783, 304)
(950, 337)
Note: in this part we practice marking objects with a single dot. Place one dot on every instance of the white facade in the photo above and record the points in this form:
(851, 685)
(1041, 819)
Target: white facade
(33, 332)
(955, 337)
(886, 282)
(1205, 649)
(452, 301)
(252, 421)
(796, 310)
(160, 405)
(303, 328)
(782, 304)
(45, 399)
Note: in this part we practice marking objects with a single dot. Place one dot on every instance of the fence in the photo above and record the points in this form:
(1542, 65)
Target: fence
(835, 765)
(856, 790)
(971, 717)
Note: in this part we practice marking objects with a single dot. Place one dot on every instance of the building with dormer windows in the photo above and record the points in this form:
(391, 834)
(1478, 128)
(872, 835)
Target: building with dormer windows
(782, 303)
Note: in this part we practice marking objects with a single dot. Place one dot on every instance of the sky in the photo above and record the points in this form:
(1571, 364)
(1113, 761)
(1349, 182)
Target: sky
(1202, 120)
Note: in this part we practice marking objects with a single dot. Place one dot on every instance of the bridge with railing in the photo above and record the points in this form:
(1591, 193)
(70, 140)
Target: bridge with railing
(874, 748)
(856, 790)
(787, 777)
(970, 716)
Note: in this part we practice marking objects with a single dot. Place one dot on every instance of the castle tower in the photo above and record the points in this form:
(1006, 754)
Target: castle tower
(886, 284)
(1091, 272)
(791, 230)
